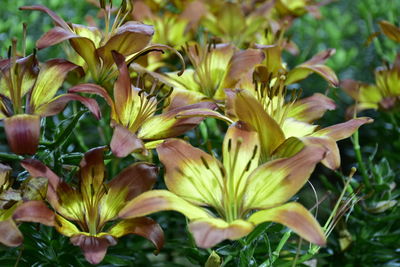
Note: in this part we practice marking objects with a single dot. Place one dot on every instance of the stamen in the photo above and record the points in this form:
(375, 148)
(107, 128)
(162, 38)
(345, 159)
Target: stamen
(203, 160)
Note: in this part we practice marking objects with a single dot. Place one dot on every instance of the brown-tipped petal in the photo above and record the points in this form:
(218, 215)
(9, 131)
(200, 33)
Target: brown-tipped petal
(23, 133)
(315, 64)
(94, 248)
(296, 217)
(91, 88)
(129, 183)
(181, 98)
(178, 121)
(191, 173)
(209, 232)
(143, 226)
(10, 235)
(122, 88)
(274, 182)
(129, 39)
(50, 79)
(91, 173)
(57, 104)
(159, 200)
(123, 142)
(390, 30)
(332, 156)
(54, 36)
(241, 63)
(34, 211)
(249, 110)
(311, 108)
(351, 87)
(343, 130)
(57, 20)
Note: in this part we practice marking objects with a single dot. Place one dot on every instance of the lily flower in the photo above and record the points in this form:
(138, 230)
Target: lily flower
(285, 126)
(133, 113)
(83, 213)
(227, 200)
(95, 46)
(21, 205)
(384, 94)
(215, 67)
(28, 92)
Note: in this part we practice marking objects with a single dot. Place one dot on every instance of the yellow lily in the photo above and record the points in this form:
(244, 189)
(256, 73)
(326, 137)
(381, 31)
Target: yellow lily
(232, 189)
(384, 94)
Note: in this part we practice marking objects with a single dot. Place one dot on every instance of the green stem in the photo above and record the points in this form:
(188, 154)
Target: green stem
(275, 254)
(360, 161)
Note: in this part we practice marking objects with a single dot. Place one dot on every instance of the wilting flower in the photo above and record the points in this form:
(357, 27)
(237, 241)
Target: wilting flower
(384, 94)
(95, 46)
(83, 213)
(133, 114)
(18, 205)
(232, 189)
(28, 92)
(215, 67)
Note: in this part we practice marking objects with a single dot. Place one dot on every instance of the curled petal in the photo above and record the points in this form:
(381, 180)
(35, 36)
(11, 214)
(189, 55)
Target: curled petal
(191, 173)
(289, 148)
(294, 216)
(124, 142)
(91, 88)
(343, 130)
(143, 226)
(34, 211)
(160, 200)
(130, 38)
(209, 232)
(315, 64)
(311, 108)
(10, 235)
(56, 19)
(332, 156)
(23, 133)
(57, 104)
(94, 248)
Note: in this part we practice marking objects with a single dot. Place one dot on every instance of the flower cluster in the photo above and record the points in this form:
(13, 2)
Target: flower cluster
(236, 75)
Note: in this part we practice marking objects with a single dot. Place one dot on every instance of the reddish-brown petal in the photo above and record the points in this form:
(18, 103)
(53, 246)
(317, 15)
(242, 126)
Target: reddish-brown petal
(124, 142)
(129, 39)
(122, 87)
(10, 234)
(57, 20)
(311, 108)
(23, 133)
(209, 232)
(94, 248)
(57, 104)
(34, 211)
(142, 226)
(332, 156)
(343, 130)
